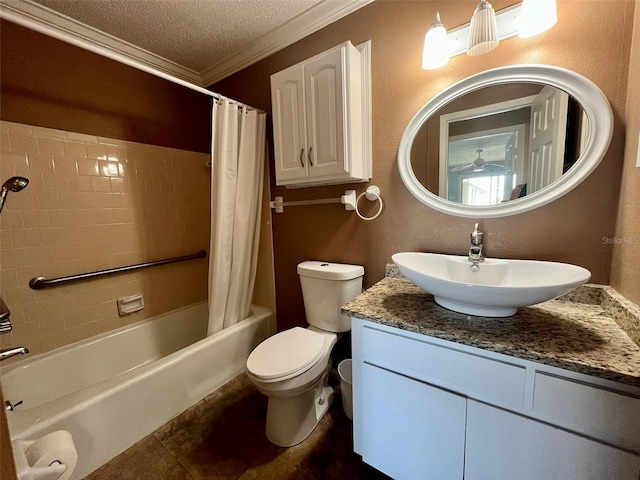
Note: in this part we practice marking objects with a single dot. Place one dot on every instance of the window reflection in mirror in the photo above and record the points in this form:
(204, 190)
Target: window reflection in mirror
(499, 143)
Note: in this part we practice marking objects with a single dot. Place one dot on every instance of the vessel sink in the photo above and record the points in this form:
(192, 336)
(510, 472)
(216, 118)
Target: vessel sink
(496, 289)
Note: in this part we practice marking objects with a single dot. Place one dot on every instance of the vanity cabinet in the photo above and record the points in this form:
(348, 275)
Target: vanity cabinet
(321, 121)
(428, 408)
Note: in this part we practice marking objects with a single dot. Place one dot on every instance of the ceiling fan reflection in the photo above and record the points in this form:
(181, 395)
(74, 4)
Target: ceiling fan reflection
(479, 164)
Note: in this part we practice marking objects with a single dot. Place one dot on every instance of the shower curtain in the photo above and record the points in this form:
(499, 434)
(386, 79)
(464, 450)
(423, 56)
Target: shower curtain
(237, 151)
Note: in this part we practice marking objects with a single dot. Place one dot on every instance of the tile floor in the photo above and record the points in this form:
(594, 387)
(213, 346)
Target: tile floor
(222, 437)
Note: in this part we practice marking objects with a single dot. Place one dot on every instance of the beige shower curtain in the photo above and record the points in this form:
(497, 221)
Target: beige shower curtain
(237, 151)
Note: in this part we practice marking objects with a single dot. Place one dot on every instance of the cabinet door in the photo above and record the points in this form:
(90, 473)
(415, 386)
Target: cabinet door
(287, 98)
(324, 78)
(411, 430)
(503, 445)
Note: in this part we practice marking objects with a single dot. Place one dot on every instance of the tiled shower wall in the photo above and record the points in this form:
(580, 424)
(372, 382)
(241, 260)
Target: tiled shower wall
(94, 203)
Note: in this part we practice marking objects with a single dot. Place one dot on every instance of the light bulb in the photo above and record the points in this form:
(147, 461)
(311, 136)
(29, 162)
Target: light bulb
(536, 16)
(436, 50)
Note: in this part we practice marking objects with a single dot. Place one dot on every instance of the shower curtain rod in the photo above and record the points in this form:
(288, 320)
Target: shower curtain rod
(33, 23)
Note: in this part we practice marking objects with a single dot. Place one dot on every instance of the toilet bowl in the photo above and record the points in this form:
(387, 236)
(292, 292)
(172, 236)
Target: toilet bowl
(292, 367)
(298, 390)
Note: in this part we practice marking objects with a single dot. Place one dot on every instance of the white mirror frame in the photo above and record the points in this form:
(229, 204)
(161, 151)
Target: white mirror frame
(589, 96)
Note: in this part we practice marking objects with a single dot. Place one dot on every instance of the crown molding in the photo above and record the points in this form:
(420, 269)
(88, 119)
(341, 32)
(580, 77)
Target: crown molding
(49, 22)
(312, 20)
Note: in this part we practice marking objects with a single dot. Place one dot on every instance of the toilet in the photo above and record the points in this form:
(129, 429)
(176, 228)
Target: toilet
(292, 367)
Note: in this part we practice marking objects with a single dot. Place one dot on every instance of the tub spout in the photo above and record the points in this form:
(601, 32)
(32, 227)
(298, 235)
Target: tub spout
(10, 352)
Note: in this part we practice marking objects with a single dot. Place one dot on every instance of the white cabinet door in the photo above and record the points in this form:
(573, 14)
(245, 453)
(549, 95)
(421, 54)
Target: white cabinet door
(319, 115)
(324, 78)
(503, 445)
(289, 139)
(411, 430)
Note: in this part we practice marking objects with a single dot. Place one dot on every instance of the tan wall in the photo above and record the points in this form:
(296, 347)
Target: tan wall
(591, 38)
(49, 83)
(94, 203)
(625, 267)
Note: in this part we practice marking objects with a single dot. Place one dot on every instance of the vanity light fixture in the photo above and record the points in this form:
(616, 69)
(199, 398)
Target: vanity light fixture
(435, 52)
(483, 30)
(525, 19)
(537, 16)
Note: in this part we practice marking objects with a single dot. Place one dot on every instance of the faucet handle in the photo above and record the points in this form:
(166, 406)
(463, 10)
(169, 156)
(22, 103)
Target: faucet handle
(4, 310)
(5, 314)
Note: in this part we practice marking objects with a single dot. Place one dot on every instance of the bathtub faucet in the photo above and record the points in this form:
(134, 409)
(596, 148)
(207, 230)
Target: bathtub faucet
(11, 352)
(5, 314)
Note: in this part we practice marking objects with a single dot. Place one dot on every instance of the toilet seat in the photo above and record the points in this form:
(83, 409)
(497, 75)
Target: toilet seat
(286, 354)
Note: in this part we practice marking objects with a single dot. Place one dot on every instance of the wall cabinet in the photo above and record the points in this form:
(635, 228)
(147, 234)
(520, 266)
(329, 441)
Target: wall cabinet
(321, 119)
(431, 409)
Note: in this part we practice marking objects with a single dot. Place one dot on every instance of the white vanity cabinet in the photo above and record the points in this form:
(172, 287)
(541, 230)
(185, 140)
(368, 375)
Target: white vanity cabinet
(321, 122)
(427, 408)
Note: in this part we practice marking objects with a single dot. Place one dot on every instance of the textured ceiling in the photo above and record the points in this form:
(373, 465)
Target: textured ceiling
(192, 33)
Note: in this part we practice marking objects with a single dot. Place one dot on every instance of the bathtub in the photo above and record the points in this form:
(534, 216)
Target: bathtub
(113, 389)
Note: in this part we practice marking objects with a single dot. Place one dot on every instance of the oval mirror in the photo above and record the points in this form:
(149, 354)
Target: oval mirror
(505, 141)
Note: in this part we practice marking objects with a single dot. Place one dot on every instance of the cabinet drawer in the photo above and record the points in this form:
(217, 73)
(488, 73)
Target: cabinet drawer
(596, 412)
(465, 373)
(503, 445)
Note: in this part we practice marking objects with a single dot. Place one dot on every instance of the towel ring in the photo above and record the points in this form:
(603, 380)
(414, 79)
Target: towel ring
(372, 193)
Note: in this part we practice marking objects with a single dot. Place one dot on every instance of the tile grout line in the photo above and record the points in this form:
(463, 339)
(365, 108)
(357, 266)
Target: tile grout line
(175, 459)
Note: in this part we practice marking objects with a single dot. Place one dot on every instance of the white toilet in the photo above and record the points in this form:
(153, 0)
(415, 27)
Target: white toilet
(292, 367)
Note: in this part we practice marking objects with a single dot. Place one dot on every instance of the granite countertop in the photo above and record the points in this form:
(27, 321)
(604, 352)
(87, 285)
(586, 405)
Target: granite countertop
(589, 331)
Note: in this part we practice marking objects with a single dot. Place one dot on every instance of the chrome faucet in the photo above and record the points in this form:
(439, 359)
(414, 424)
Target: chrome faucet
(5, 327)
(12, 352)
(5, 314)
(475, 252)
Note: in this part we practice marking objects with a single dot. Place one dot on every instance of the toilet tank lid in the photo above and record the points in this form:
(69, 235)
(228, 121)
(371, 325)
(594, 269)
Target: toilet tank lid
(329, 271)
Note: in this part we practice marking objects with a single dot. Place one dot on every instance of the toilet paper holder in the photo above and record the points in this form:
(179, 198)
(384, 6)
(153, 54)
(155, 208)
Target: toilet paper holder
(26, 472)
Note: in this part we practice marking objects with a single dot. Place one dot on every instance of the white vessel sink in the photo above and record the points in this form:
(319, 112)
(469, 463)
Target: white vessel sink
(497, 289)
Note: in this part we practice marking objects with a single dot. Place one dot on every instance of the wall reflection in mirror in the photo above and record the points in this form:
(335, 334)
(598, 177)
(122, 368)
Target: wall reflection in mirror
(499, 143)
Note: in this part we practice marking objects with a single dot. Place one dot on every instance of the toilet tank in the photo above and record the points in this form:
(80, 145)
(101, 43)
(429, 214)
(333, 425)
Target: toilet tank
(326, 287)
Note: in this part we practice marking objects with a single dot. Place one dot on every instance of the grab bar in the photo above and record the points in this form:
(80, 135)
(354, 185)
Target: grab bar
(38, 283)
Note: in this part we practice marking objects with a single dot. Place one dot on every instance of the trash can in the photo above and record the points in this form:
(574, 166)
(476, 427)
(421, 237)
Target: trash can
(344, 370)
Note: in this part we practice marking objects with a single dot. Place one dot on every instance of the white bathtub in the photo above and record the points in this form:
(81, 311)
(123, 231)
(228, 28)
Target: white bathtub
(111, 390)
